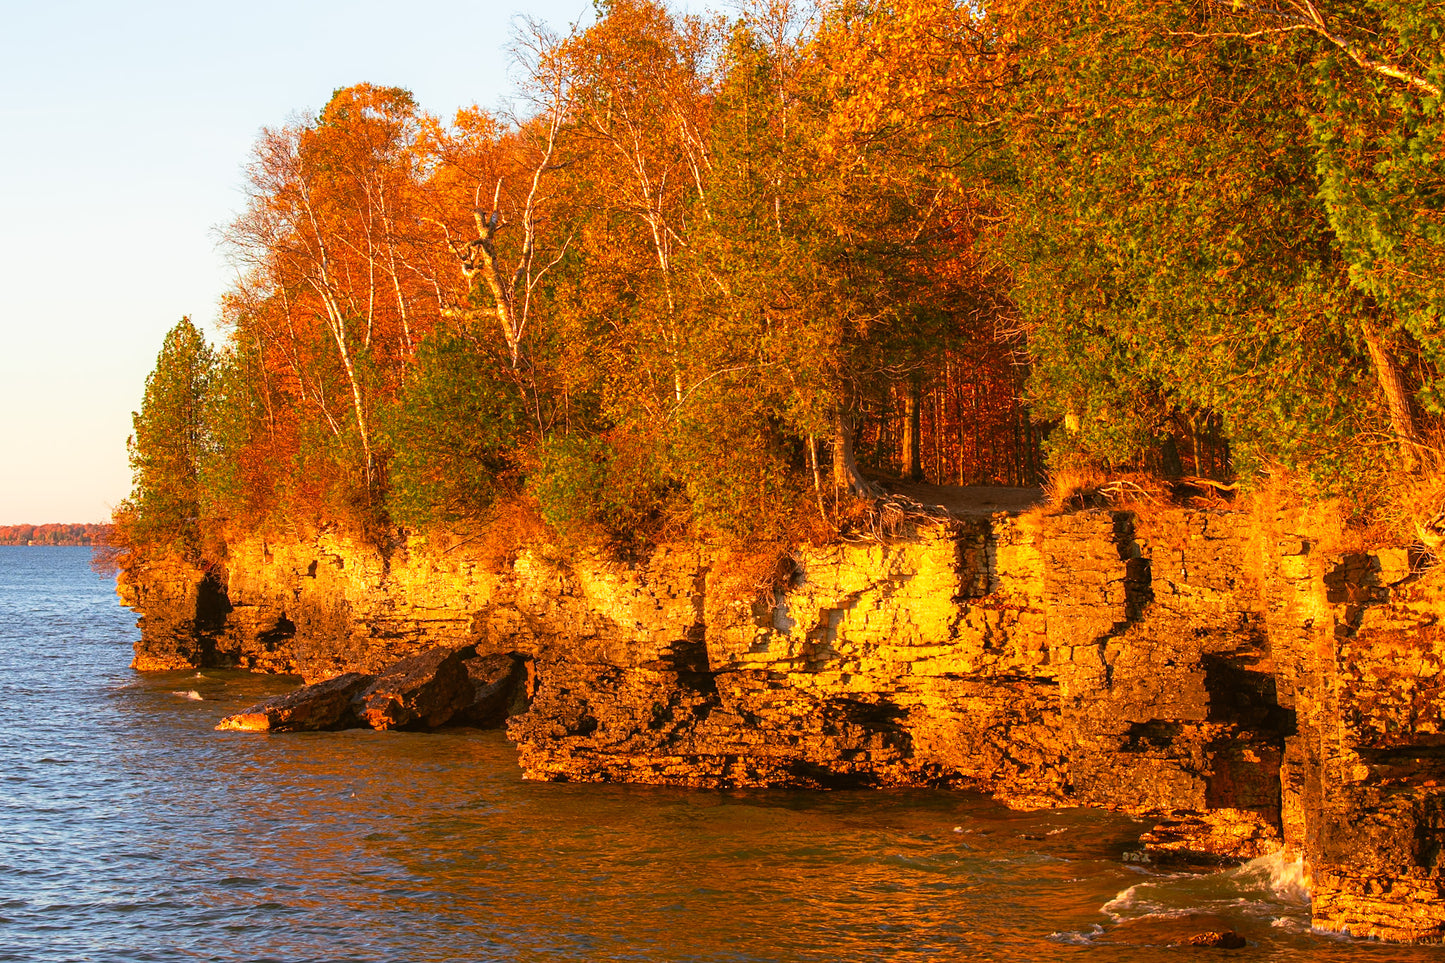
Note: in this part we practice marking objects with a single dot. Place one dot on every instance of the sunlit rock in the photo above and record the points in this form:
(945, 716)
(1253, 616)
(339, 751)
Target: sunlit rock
(1240, 679)
(421, 692)
(322, 705)
(1213, 837)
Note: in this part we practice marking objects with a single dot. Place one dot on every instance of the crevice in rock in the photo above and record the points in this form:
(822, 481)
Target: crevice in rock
(213, 605)
(1138, 570)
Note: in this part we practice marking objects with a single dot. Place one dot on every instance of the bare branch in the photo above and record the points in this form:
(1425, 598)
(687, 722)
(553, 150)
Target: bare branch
(721, 371)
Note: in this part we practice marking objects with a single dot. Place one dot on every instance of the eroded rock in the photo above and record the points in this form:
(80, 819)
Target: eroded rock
(320, 706)
(497, 681)
(1210, 662)
(421, 692)
(1216, 837)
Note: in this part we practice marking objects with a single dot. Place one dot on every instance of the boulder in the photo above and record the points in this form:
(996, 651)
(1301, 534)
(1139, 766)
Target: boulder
(421, 692)
(496, 683)
(322, 705)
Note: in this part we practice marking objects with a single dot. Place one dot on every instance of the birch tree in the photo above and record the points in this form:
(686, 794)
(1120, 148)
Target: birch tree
(330, 235)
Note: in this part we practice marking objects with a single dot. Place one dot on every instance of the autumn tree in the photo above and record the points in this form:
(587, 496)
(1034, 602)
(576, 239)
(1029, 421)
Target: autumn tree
(341, 278)
(641, 80)
(623, 314)
(478, 151)
(905, 210)
(717, 270)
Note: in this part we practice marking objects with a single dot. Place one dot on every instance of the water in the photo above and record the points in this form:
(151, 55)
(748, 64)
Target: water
(130, 830)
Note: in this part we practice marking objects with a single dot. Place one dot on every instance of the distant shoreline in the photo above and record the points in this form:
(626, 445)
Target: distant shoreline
(83, 535)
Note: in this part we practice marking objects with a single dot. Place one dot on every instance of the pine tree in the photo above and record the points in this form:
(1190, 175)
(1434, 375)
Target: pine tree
(170, 444)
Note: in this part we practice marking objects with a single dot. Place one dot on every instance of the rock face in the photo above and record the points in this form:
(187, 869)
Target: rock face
(1234, 677)
(497, 690)
(1214, 836)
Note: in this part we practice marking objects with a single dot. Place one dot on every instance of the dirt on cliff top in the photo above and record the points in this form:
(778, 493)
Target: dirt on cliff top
(966, 500)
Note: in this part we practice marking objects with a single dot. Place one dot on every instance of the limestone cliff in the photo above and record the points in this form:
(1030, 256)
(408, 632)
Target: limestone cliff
(1234, 679)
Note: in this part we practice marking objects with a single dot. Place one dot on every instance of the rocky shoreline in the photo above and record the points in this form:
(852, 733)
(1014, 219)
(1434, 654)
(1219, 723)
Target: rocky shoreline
(1245, 682)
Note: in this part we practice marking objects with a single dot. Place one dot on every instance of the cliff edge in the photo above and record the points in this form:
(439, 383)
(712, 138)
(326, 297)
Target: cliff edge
(1242, 683)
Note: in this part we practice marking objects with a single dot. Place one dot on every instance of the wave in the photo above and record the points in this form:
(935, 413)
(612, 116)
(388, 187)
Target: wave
(1283, 873)
(1272, 889)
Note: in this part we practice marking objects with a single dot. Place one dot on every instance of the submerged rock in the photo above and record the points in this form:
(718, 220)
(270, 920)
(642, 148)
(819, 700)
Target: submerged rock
(1219, 939)
(1189, 929)
(320, 706)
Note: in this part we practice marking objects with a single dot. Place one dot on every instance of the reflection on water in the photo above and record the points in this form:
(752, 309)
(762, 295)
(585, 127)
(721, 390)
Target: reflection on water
(133, 831)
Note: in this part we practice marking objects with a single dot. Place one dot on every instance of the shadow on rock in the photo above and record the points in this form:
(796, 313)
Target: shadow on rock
(431, 689)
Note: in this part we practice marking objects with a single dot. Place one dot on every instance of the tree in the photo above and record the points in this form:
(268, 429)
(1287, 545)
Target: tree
(890, 84)
(641, 84)
(454, 434)
(170, 445)
(342, 278)
(1379, 137)
(476, 150)
(1378, 70)
(1168, 252)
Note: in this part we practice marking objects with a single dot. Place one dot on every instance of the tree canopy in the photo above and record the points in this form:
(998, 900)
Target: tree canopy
(727, 275)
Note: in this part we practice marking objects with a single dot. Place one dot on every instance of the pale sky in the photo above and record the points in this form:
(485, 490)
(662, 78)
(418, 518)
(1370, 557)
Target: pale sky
(124, 128)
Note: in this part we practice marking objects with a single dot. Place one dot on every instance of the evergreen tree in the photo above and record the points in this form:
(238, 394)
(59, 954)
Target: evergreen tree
(455, 431)
(170, 444)
(1169, 254)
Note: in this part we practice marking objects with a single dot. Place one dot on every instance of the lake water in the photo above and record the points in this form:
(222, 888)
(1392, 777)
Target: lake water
(131, 830)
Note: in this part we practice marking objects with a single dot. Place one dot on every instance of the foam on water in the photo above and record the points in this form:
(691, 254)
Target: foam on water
(1124, 903)
(1272, 889)
(1284, 873)
(1080, 938)
(190, 694)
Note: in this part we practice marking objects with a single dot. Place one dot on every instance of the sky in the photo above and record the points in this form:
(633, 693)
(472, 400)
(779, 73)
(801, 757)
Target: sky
(124, 132)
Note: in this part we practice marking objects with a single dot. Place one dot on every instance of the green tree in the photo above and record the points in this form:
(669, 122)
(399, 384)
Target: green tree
(455, 431)
(1380, 136)
(170, 445)
(1168, 250)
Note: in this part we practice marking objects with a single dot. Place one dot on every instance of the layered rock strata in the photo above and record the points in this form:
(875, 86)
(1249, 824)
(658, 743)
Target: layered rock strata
(1236, 679)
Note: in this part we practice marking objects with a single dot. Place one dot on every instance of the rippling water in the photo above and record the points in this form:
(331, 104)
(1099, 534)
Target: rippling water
(133, 831)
